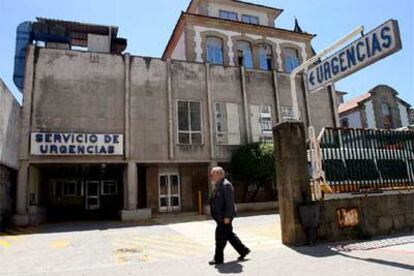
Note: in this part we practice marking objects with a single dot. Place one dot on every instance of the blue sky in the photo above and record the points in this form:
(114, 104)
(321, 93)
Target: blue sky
(148, 25)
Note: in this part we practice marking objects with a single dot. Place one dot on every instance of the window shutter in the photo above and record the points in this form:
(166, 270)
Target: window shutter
(233, 123)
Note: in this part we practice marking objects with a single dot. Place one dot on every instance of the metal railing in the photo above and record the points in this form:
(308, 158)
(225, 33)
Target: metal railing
(362, 160)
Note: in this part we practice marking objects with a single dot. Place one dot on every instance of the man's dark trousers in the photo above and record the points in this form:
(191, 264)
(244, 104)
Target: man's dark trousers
(224, 233)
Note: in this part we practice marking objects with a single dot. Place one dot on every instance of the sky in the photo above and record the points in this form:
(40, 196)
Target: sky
(148, 25)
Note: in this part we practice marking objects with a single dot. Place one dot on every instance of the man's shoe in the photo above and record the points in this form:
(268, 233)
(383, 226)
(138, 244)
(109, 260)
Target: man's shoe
(242, 256)
(214, 262)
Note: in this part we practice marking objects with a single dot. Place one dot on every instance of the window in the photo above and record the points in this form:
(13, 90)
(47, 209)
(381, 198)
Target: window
(109, 187)
(189, 122)
(228, 15)
(69, 188)
(266, 120)
(250, 19)
(345, 123)
(227, 123)
(244, 52)
(287, 113)
(214, 50)
(387, 116)
(291, 59)
(265, 57)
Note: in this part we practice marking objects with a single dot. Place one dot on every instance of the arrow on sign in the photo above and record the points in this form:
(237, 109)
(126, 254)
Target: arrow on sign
(311, 78)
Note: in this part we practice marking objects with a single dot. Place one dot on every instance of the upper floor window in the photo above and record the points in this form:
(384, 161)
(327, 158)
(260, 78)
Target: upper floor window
(265, 57)
(214, 50)
(244, 54)
(291, 59)
(250, 19)
(387, 116)
(189, 123)
(228, 15)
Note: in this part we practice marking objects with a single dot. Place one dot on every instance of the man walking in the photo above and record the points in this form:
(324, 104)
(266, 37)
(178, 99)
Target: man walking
(223, 211)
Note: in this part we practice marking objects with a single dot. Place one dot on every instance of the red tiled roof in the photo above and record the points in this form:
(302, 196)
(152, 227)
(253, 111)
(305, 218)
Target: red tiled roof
(353, 103)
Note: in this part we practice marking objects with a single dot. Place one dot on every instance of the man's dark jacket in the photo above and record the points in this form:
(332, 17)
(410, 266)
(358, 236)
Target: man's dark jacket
(222, 203)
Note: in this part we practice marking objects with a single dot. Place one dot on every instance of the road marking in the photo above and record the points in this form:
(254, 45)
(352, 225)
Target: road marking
(59, 244)
(4, 243)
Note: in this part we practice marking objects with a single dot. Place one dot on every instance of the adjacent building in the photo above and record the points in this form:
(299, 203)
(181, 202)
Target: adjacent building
(378, 108)
(9, 145)
(108, 134)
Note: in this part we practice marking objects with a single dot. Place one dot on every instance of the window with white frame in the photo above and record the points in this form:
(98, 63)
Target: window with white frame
(189, 123)
(228, 15)
(109, 187)
(266, 123)
(214, 50)
(246, 18)
(286, 113)
(291, 59)
(266, 120)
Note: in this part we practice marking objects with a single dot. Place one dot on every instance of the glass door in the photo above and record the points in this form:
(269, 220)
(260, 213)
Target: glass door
(169, 193)
(92, 195)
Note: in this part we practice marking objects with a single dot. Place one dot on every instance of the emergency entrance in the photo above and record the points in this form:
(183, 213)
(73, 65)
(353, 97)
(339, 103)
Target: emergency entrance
(81, 191)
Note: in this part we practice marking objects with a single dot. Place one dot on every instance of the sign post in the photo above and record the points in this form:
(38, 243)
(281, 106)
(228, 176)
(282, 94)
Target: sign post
(368, 49)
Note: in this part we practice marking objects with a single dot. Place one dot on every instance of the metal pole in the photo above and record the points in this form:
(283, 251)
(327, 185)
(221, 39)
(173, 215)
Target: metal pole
(305, 65)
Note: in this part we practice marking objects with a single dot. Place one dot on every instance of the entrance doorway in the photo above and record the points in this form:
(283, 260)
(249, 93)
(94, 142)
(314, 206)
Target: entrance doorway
(169, 193)
(92, 195)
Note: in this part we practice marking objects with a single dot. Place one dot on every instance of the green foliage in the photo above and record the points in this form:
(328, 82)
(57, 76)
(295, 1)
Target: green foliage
(253, 163)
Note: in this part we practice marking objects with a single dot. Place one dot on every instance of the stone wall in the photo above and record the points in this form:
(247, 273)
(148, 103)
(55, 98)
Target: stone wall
(378, 215)
(7, 194)
(9, 127)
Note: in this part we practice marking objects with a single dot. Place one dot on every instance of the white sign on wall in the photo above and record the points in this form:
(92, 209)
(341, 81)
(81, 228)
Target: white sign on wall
(76, 144)
(377, 44)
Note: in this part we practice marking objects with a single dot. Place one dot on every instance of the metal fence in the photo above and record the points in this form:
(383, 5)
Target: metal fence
(363, 160)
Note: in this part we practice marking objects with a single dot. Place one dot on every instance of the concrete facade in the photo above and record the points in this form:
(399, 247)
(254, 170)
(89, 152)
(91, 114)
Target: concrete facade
(177, 116)
(137, 97)
(367, 110)
(9, 147)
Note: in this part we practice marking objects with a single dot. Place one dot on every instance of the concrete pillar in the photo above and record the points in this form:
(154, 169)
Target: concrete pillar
(130, 212)
(210, 113)
(170, 112)
(132, 178)
(277, 98)
(22, 216)
(246, 107)
(292, 179)
(22, 180)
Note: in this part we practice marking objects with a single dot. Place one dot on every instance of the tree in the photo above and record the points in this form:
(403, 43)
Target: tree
(254, 164)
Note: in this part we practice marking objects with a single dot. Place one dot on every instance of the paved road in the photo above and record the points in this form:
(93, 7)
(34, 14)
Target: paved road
(165, 247)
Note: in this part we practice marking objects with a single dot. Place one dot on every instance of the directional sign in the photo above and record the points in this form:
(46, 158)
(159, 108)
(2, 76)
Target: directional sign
(375, 45)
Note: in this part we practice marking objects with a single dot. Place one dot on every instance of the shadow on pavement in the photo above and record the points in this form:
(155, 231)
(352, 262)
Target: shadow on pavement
(233, 267)
(321, 251)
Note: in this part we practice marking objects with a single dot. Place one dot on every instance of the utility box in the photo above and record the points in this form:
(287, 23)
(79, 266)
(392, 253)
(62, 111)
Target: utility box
(99, 43)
